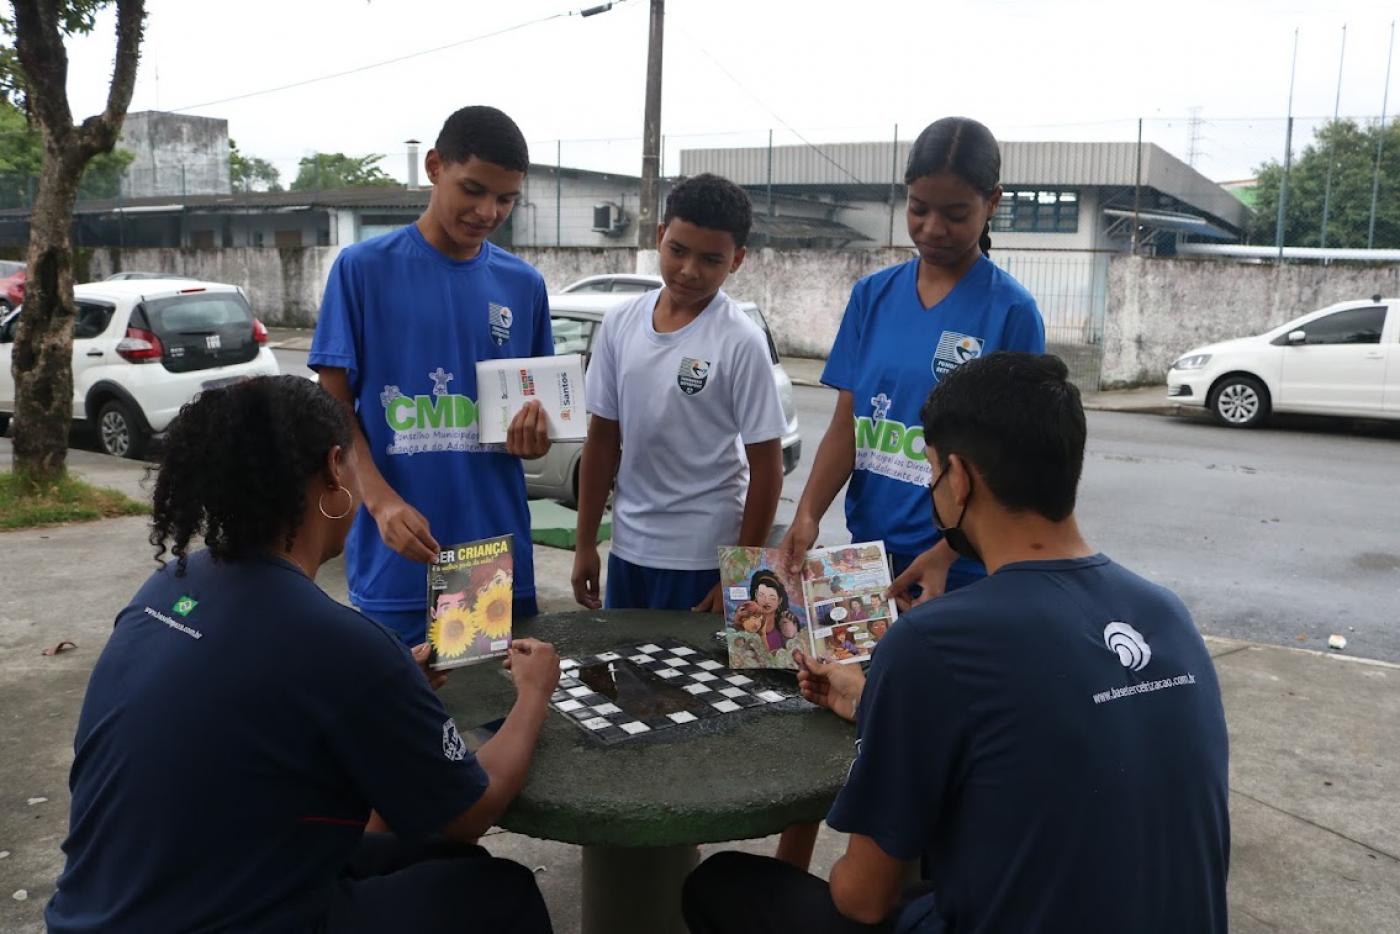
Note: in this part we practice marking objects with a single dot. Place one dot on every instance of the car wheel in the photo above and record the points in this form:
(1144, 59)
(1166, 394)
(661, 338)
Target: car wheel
(1240, 402)
(118, 432)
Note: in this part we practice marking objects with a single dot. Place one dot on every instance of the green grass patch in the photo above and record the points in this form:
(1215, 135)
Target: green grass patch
(67, 500)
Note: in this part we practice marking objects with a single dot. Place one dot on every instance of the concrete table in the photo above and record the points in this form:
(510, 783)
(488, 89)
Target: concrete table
(639, 808)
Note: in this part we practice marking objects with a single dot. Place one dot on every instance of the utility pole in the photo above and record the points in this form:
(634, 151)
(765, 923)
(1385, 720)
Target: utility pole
(1193, 136)
(1380, 143)
(1332, 144)
(651, 133)
(1287, 153)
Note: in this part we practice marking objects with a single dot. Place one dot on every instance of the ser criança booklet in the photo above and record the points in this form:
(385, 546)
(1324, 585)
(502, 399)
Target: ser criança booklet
(470, 602)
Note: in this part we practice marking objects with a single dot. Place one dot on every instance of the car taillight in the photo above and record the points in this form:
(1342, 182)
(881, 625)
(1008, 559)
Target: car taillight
(140, 346)
(259, 332)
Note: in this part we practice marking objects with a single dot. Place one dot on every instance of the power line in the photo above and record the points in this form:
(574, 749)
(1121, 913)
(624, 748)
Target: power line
(403, 58)
(771, 112)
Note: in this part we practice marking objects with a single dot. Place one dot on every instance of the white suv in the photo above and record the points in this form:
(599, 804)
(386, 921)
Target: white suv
(143, 348)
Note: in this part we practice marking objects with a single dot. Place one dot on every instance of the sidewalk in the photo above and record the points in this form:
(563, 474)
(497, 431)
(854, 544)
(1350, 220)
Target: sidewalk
(1315, 769)
(806, 371)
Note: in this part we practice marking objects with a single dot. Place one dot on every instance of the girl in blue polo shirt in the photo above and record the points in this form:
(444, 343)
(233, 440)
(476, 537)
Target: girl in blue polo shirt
(904, 328)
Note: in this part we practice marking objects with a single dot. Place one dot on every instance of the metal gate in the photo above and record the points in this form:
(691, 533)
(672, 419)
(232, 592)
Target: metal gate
(1071, 290)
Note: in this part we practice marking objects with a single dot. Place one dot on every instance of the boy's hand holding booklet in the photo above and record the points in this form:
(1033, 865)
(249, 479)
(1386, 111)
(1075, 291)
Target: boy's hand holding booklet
(504, 386)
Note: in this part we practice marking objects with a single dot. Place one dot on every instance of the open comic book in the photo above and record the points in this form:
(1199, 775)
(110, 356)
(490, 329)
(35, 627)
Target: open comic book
(835, 608)
(470, 602)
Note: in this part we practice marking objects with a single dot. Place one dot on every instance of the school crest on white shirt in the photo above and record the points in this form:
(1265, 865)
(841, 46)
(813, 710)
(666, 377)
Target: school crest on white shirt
(693, 375)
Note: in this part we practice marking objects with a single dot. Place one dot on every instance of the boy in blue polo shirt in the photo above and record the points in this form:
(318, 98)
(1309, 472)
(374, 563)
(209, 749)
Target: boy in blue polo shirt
(684, 412)
(405, 318)
(1050, 739)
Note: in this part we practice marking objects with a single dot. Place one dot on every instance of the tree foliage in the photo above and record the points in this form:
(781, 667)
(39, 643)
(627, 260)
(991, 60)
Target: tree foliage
(323, 171)
(1352, 151)
(22, 158)
(249, 173)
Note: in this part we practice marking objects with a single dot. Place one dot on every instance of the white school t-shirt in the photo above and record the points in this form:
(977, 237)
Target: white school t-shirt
(686, 402)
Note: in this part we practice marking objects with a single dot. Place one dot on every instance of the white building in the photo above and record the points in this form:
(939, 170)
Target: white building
(174, 154)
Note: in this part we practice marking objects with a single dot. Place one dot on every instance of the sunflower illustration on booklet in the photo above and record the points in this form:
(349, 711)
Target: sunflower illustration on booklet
(835, 608)
(469, 603)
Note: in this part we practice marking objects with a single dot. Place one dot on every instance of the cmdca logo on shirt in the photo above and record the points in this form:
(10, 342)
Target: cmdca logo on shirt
(693, 375)
(890, 448)
(440, 420)
(453, 746)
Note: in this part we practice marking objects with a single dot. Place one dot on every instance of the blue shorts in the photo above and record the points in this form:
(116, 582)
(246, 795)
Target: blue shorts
(633, 587)
(411, 626)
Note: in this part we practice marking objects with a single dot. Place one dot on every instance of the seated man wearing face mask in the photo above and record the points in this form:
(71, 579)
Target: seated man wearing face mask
(1049, 740)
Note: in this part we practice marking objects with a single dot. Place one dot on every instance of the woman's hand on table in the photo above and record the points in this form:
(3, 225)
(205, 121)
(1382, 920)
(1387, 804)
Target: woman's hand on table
(535, 667)
(422, 653)
(827, 684)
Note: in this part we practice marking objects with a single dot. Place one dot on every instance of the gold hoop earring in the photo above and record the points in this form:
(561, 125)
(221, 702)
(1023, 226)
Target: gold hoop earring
(349, 504)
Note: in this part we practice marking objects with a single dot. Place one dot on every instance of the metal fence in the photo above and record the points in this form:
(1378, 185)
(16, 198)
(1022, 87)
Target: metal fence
(1072, 293)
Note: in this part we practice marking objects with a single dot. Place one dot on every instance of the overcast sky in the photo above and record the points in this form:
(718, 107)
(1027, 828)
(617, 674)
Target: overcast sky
(1069, 69)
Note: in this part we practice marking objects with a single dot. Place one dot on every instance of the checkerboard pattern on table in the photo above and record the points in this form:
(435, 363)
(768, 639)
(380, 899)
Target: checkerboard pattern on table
(718, 690)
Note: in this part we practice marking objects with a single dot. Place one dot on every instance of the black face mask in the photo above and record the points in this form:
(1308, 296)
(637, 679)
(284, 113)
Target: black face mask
(957, 538)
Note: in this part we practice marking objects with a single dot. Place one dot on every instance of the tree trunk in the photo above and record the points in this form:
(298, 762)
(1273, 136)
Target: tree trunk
(43, 350)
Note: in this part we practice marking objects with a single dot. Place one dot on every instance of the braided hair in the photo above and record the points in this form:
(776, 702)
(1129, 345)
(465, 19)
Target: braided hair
(964, 147)
(236, 465)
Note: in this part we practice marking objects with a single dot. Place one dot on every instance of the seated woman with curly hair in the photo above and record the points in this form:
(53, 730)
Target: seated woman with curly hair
(240, 725)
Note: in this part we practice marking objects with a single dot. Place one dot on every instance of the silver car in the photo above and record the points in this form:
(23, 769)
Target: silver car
(575, 314)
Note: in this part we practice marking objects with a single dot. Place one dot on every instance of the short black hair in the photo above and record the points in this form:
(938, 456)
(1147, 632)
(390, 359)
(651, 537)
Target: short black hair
(712, 202)
(486, 133)
(236, 465)
(1018, 419)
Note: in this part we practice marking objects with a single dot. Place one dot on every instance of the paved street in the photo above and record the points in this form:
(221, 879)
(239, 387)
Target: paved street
(1284, 535)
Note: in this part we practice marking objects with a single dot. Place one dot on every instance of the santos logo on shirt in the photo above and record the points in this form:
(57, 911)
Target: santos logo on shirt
(889, 448)
(501, 319)
(440, 420)
(453, 746)
(953, 351)
(692, 375)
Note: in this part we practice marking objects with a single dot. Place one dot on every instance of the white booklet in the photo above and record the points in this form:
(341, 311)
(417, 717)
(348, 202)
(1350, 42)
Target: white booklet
(504, 386)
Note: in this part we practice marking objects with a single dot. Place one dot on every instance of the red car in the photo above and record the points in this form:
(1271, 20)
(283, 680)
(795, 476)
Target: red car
(12, 289)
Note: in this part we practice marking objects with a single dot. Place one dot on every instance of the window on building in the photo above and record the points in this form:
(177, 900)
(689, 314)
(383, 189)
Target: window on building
(323, 236)
(288, 239)
(202, 239)
(1037, 212)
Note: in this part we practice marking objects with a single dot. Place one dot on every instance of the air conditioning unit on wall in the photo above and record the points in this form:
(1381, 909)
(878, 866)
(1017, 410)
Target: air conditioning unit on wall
(608, 218)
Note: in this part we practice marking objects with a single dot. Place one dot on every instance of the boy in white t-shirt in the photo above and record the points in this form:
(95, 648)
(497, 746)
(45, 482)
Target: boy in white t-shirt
(685, 415)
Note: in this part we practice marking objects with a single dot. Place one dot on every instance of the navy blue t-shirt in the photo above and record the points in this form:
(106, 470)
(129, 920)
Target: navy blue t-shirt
(1052, 739)
(889, 354)
(409, 325)
(237, 730)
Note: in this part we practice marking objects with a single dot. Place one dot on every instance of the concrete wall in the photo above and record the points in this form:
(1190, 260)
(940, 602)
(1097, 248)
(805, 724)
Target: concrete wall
(1160, 308)
(803, 293)
(284, 286)
(174, 154)
(561, 267)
